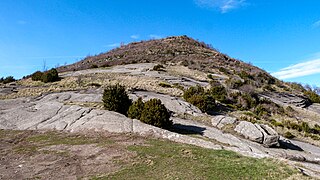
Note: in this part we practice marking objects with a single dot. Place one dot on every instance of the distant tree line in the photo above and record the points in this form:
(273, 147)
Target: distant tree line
(8, 79)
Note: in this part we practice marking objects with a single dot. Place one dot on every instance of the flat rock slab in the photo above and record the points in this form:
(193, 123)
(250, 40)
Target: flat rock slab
(220, 121)
(50, 112)
(141, 69)
(174, 104)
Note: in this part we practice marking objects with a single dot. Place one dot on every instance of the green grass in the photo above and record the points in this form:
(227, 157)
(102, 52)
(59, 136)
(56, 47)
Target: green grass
(167, 160)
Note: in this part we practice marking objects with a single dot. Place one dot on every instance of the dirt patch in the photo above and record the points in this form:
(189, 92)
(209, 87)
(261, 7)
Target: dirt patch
(60, 155)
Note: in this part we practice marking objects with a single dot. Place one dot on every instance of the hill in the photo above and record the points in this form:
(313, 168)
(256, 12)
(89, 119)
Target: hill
(199, 56)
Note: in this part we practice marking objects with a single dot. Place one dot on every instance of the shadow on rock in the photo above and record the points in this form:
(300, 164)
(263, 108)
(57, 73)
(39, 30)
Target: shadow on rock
(187, 129)
(285, 144)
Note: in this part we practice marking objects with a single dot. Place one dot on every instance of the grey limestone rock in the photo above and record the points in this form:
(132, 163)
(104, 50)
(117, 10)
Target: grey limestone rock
(259, 133)
(220, 121)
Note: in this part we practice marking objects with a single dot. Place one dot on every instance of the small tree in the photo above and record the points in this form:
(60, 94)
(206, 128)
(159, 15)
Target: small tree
(116, 99)
(156, 114)
(200, 98)
(50, 76)
(37, 76)
(136, 109)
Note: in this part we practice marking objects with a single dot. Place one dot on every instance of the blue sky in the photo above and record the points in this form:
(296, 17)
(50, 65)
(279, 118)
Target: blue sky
(280, 36)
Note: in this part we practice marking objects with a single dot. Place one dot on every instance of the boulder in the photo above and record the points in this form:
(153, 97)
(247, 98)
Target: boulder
(270, 136)
(249, 131)
(220, 121)
(259, 133)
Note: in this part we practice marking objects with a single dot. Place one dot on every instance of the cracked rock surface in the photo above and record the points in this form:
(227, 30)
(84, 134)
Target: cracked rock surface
(53, 112)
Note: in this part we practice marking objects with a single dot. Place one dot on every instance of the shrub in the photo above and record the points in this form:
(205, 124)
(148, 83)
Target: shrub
(297, 86)
(261, 111)
(198, 97)
(8, 79)
(219, 93)
(313, 96)
(194, 90)
(276, 123)
(205, 103)
(165, 85)
(223, 70)
(305, 127)
(158, 67)
(156, 114)
(288, 135)
(37, 76)
(244, 75)
(136, 109)
(116, 99)
(50, 76)
(210, 76)
(94, 66)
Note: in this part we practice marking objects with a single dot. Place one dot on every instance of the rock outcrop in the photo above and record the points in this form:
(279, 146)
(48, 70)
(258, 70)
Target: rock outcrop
(52, 111)
(287, 99)
(220, 121)
(259, 133)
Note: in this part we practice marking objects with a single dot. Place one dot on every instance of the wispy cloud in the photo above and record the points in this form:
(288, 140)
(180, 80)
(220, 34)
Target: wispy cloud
(155, 36)
(224, 6)
(316, 24)
(113, 45)
(299, 70)
(135, 36)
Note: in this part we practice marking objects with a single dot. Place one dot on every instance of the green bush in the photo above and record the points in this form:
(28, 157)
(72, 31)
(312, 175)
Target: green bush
(48, 76)
(37, 76)
(313, 96)
(94, 66)
(200, 98)
(261, 111)
(116, 99)
(219, 93)
(135, 110)
(276, 123)
(244, 75)
(165, 85)
(158, 67)
(205, 103)
(210, 76)
(305, 127)
(288, 135)
(6, 80)
(156, 114)
(194, 90)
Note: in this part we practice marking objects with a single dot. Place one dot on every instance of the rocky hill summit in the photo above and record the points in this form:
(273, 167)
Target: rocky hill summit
(214, 101)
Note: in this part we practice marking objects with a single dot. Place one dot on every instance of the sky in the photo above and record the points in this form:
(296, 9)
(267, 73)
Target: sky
(279, 36)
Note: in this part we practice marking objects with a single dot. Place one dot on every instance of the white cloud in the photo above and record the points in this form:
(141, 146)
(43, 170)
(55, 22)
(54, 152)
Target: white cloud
(299, 70)
(154, 36)
(224, 6)
(135, 36)
(113, 45)
(316, 24)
